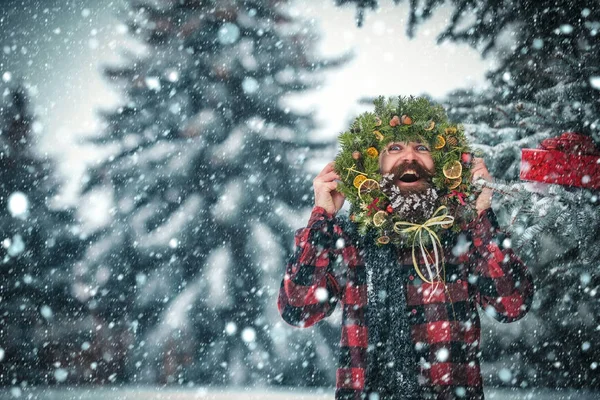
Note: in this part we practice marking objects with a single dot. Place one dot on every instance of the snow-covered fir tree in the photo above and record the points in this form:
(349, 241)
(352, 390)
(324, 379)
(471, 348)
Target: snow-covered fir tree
(554, 229)
(205, 183)
(38, 315)
(547, 84)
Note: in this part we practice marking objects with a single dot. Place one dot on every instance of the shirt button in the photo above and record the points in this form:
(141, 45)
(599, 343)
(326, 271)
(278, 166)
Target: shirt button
(458, 281)
(321, 218)
(414, 311)
(411, 277)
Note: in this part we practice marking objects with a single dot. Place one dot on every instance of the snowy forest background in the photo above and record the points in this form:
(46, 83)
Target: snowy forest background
(148, 247)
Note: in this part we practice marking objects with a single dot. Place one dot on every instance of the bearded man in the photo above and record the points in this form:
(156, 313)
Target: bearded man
(420, 250)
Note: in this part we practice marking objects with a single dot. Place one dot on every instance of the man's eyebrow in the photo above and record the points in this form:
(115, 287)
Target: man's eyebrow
(419, 142)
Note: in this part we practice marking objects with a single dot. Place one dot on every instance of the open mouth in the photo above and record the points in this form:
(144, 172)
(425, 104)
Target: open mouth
(409, 176)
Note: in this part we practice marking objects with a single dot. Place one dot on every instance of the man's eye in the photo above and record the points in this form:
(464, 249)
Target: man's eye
(422, 148)
(394, 147)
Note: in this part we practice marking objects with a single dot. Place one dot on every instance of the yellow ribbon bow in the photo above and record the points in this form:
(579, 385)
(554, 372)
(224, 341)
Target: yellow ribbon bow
(442, 219)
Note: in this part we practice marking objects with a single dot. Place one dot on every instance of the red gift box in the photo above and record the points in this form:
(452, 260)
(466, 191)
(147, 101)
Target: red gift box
(571, 159)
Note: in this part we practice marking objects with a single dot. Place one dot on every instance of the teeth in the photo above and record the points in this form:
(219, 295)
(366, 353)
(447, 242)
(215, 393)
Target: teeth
(410, 171)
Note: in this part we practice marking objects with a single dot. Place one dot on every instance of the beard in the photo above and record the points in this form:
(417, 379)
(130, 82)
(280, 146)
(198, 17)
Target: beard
(413, 204)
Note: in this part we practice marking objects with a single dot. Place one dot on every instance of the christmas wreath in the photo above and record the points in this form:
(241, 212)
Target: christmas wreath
(405, 119)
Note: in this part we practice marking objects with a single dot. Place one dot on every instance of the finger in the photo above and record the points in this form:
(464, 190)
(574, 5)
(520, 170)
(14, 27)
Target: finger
(328, 177)
(479, 163)
(476, 170)
(325, 186)
(481, 174)
(331, 185)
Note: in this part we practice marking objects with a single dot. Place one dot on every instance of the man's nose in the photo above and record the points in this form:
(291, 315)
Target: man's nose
(408, 154)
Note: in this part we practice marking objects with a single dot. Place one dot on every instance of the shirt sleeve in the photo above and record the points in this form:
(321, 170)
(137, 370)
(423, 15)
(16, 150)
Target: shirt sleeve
(504, 284)
(310, 289)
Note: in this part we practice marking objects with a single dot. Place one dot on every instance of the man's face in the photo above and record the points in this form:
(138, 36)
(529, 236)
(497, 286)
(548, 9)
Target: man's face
(411, 164)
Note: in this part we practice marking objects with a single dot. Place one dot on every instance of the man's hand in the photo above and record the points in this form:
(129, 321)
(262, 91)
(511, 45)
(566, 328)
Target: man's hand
(479, 170)
(325, 194)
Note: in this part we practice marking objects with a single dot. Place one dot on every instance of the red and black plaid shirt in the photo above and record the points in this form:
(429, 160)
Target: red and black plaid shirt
(441, 318)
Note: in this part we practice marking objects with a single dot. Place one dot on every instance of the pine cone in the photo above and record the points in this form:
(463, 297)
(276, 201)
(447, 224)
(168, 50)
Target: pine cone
(452, 141)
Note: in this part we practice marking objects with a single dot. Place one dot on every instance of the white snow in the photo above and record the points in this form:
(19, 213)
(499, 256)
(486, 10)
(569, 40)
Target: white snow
(250, 85)
(585, 346)
(595, 82)
(230, 328)
(153, 83)
(46, 311)
(60, 374)
(15, 246)
(18, 205)
(172, 75)
(505, 375)
(490, 311)
(321, 294)
(249, 335)
(585, 278)
(586, 179)
(228, 33)
(442, 354)
(461, 246)
(566, 29)
(281, 393)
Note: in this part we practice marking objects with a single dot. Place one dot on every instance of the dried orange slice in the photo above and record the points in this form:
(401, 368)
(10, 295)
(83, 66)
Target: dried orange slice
(378, 135)
(372, 152)
(367, 186)
(453, 183)
(440, 142)
(452, 170)
(383, 240)
(430, 126)
(359, 180)
(447, 225)
(379, 218)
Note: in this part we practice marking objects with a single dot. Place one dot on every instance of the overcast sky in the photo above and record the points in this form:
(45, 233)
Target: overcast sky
(59, 48)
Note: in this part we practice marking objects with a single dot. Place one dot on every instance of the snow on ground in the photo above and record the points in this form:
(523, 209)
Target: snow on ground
(153, 393)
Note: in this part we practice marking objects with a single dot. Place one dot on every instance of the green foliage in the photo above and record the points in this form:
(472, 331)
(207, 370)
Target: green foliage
(401, 119)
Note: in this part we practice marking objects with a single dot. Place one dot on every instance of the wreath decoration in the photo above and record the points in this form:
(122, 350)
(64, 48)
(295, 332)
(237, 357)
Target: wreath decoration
(405, 119)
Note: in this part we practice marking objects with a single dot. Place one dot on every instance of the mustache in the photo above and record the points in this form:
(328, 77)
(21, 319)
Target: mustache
(421, 171)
